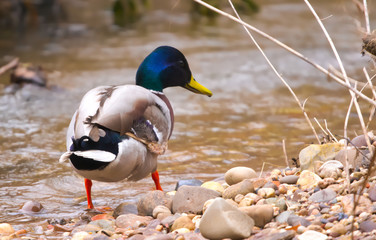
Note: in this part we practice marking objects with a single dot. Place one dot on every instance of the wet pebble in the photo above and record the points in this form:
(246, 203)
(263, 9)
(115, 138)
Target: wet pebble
(323, 195)
(238, 174)
(190, 199)
(367, 226)
(283, 217)
(294, 220)
(188, 182)
(31, 207)
(125, 208)
(261, 214)
(364, 205)
(372, 192)
(291, 179)
(259, 182)
(132, 221)
(150, 200)
(244, 187)
(337, 230)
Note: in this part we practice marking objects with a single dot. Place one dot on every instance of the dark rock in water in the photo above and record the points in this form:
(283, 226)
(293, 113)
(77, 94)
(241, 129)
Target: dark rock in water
(294, 220)
(28, 73)
(367, 226)
(188, 182)
(150, 200)
(325, 195)
(291, 179)
(125, 208)
(31, 207)
(132, 221)
(190, 199)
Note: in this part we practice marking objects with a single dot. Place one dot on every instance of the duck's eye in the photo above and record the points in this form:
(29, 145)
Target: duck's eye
(181, 63)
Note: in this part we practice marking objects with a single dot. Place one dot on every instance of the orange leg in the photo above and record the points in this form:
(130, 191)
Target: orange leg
(88, 185)
(155, 177)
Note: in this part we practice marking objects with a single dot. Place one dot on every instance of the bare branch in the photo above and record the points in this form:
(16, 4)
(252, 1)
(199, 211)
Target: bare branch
(298, 54)
(278, 75)
(9, 65)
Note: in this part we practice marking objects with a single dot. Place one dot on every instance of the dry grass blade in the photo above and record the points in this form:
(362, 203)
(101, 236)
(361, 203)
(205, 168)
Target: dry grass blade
(285, 153)
(278, 75)
(368, 27)
(334, 49)
(9, 66)
(296, 53)
(330, 133)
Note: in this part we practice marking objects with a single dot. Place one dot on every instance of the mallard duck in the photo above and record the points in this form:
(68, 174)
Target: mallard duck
(118, 131)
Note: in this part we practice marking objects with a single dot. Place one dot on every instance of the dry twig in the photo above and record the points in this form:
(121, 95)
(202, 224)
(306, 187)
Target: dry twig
(9, 66)
(298, 54)
(278, 75)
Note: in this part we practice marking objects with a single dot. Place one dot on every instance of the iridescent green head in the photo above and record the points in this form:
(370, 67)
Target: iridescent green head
(167, 67)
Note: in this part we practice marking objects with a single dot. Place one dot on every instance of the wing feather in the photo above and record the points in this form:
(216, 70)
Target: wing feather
(118, 108)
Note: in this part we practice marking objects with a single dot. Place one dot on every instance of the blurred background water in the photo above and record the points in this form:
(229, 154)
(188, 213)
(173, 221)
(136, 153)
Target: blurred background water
(82, 44)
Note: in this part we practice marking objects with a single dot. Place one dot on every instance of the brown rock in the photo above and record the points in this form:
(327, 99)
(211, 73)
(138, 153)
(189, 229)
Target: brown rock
(32, 207)
(282, 189)
(259, 182)
(353, 156)
(132, 221)
(191, 199)
(274, 234)
(6, 229)
(367, 226)
(291, 179)
(261, 214)
(150, 200)
(244, 187)
(183, 222)
(372, 192)
(308, 180)
(161, 212)
(238, 174)
(125, 208)
(364, 205)
(337, 230)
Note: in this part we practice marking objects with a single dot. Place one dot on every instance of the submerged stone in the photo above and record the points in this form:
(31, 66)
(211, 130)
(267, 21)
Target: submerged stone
(188, 182)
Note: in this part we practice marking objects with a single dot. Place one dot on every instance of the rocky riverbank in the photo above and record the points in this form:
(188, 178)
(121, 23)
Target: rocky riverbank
(313, 201)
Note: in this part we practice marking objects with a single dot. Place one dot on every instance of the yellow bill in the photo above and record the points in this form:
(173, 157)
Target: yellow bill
(195, 87)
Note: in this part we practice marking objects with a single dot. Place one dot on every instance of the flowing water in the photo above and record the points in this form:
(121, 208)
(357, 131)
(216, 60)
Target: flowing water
(243, 124)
